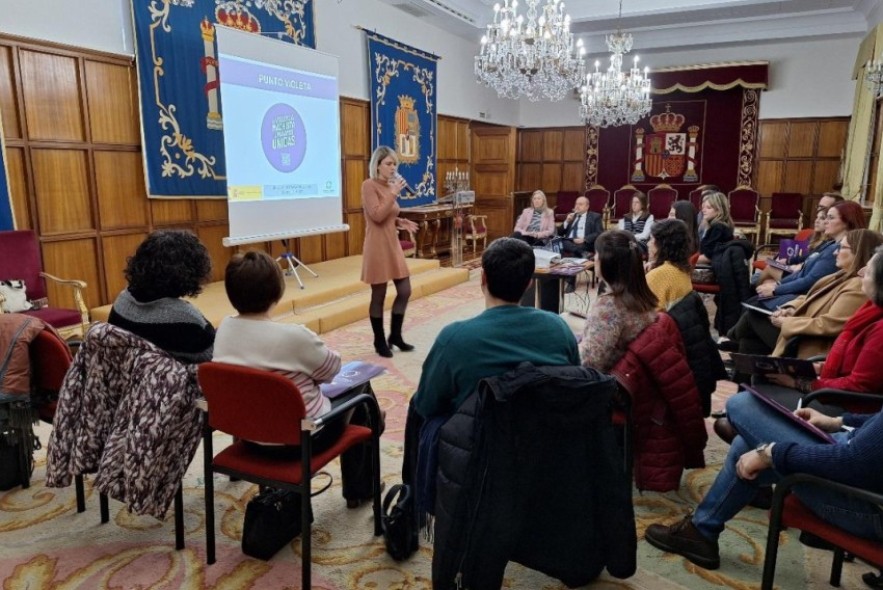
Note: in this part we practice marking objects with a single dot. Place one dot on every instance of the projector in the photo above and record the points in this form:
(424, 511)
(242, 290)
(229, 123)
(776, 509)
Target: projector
(544, 258)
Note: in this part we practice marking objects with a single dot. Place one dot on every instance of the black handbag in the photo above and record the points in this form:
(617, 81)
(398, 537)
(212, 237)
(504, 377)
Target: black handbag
(272, 520)
(399, 522)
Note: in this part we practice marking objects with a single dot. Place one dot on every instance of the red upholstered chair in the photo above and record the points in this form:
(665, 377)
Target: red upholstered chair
(476, 229)
(695, 196)
(599, 201)
(745, 212)
(564, 203)
(254, 404)
(771, 250)
(660, 199)
(709, 288)
(786, 214)
(21, 259)
(622, 204)
(788, 511)
(408, 243)
(50, 360)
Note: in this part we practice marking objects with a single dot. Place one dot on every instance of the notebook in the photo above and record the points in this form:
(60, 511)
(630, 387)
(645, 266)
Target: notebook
(812, 429)
(754, 364)
(350, 375)
(779, 265)
(758, 309)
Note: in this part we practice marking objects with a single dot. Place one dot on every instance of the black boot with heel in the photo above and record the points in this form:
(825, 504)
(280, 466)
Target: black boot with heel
(380, 345)
(395, 333)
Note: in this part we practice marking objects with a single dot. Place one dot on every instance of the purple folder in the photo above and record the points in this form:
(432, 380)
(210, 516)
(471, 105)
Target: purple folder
(811, 428)
(350, 375)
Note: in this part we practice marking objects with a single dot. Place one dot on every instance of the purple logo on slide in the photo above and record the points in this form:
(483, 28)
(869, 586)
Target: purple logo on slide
(283, 138)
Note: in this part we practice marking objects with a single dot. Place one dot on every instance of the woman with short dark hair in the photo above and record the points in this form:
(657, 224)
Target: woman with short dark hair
(625, 309)
(168, 265)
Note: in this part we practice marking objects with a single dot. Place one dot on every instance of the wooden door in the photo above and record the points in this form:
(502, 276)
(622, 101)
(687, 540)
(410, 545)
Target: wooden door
(493, 175)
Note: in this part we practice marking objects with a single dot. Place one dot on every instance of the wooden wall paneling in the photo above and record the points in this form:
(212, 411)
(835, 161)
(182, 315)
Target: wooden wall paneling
(117, 249)
(211, 236)
(114, 121)
(447, 139)
(354, 127)
(463, 140)
(310, 249)
(354, 174)
(832, 138)
(551, 178)
(165, 212)
(530, 177)
(574, 144)
(531, 144)
(334, 245)
(18, 187)
(825, 176)
(553, 145)
(493, 173)
(61, 183)
(773, 139)
(798, 177)
(573, 176)
(73, 259)
(119, 184)
(8, 101)
(53, 107)
(770, 176)
(211, 209)
(802, 139)
(355, 237)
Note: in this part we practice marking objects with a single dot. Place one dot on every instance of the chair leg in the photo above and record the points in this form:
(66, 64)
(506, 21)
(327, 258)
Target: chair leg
(306, 540)
(105, 509)
(81, 493)
(179, 517)
(837, 567)
(375, 476)
(209, 495)
(772, 541)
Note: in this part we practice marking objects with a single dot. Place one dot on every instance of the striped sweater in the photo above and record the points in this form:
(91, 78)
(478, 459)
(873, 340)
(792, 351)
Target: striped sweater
(289, 349)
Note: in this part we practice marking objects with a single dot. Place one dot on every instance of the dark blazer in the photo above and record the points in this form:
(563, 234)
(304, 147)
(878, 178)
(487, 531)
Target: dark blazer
(591, 230)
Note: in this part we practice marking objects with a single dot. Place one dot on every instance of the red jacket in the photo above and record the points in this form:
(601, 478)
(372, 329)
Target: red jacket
(667, 425)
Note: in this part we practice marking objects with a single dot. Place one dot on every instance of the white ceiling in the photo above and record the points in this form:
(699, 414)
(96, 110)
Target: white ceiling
(661, 25)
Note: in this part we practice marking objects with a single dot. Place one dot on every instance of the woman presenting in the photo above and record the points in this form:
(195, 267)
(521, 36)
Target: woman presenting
(382, 256)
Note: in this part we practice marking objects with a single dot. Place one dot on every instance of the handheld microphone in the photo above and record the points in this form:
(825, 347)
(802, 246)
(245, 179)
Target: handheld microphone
(407, 188)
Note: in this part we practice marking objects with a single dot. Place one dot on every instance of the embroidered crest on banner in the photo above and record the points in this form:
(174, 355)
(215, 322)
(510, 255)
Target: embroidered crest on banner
(407, 131)
(667, 152)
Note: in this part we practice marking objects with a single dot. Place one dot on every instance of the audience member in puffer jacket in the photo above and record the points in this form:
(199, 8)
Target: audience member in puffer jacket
(702, 353)
(667, 425)
(732, 275)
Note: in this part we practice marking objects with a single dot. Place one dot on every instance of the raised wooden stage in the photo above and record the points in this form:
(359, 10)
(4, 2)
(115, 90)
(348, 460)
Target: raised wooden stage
(336, 298)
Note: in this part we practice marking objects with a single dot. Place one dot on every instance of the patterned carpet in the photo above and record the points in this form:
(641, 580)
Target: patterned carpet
(46, 544)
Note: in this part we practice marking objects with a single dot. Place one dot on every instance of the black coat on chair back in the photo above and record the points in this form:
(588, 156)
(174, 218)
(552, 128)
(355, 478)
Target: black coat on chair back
(731, 272)
(530, 471)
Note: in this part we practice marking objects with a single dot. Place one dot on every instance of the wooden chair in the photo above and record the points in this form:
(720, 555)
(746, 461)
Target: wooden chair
(660, 199)
(408, 243)
(745, 212)
(785, 216)
(27, 264)
(599, 201)
(476, 229)
(622, 204)
(695, 195)
(255, 404)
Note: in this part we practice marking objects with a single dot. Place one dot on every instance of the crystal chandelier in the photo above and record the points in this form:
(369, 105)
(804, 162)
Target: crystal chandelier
(532, 56)
(614, 97)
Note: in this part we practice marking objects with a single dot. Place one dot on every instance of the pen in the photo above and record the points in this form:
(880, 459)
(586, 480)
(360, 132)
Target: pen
(799, 403)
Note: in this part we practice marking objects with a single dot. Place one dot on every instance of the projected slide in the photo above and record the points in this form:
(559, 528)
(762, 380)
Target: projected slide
(281, 125)
(285, 132)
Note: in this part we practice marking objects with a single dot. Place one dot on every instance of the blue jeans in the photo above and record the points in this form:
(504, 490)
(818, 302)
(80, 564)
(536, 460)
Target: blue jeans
(756, 423)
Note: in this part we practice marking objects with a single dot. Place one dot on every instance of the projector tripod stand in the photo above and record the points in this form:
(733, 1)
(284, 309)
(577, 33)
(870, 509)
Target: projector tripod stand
(293, 264)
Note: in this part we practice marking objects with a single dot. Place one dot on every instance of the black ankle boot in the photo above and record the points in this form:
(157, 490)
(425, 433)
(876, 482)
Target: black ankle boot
(395, 333)
(379, 338)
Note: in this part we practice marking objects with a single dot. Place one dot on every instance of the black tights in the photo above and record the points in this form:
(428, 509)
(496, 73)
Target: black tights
(399, 304)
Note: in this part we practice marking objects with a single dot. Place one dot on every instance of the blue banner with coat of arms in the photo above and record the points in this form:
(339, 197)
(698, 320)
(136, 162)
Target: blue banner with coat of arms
(403, 112)
(177, 62)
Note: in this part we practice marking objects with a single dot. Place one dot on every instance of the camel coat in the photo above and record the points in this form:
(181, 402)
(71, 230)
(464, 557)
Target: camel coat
(820, 314)
(382, 256)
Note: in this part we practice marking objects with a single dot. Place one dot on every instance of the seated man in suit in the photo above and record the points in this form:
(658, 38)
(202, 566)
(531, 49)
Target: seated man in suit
(495, 341)
(580, 230)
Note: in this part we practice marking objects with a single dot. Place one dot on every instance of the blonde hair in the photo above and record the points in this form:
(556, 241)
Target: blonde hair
(719, 203)
(546, 208)
(379, 155)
